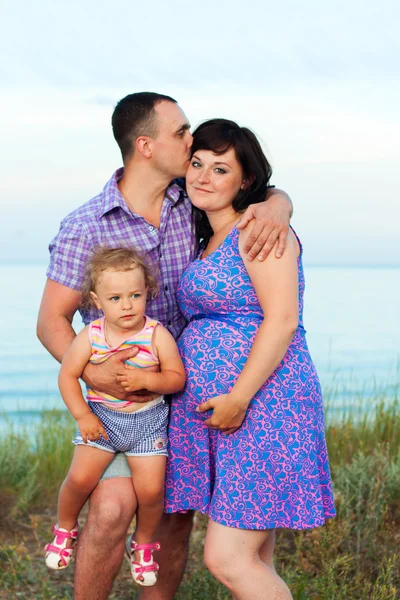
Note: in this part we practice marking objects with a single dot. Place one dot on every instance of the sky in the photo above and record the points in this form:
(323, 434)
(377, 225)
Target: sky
(317, 81)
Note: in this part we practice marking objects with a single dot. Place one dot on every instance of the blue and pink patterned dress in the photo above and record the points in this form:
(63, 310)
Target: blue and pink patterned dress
(274, 470)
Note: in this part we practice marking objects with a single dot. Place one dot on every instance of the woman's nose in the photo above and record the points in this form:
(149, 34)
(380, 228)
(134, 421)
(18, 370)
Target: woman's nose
(203, 176)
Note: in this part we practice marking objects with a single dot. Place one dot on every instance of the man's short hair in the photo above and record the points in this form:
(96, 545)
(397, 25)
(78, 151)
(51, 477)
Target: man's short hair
(134, 116)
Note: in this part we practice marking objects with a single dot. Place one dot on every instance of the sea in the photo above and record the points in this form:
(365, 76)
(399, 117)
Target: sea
(351, 316)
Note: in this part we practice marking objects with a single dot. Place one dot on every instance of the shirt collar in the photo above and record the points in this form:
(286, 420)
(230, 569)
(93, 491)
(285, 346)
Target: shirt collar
(112, 197)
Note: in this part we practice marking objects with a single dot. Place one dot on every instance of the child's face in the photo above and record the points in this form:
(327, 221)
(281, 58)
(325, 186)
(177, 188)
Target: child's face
(121, 295)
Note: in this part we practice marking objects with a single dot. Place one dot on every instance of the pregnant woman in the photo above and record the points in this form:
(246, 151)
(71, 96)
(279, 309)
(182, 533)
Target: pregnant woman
(247, 443)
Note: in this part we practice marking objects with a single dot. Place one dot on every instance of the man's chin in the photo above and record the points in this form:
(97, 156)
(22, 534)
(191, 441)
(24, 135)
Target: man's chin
(182, 174)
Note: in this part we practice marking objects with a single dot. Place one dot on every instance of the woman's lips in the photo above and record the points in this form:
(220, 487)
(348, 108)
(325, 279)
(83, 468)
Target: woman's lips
(203, 190)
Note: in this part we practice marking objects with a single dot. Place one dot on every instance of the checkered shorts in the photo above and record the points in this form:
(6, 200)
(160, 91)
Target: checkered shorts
(135, 434)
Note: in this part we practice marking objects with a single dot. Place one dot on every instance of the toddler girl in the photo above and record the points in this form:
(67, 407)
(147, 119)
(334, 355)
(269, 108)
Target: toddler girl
(118, 282)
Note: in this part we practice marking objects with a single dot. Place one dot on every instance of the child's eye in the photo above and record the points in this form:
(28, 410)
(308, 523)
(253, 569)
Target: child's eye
(114, 298)
(136, 295)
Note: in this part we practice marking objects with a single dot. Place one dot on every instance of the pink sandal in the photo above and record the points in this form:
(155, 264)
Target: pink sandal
(144, 572)
(58, 552)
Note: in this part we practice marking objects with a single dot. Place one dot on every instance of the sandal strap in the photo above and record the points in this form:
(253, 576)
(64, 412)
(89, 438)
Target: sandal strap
(61, 536)
(63, 553)
(151, 546)
(139, 569)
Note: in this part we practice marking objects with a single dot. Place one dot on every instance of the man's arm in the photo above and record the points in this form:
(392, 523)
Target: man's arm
(55, 331)
(272, 220)
(57, 309)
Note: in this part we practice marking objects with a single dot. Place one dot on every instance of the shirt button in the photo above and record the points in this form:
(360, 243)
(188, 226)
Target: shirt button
(166, 288)
(151, 228)
(169, 322)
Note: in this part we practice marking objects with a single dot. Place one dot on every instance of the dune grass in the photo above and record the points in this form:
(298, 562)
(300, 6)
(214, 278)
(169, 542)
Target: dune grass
(354, 557)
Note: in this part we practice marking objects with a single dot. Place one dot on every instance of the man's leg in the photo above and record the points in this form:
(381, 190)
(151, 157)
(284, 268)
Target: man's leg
(101, 545)
(173, 534)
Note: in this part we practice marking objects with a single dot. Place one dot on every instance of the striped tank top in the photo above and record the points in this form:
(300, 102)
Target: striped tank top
(101, 350)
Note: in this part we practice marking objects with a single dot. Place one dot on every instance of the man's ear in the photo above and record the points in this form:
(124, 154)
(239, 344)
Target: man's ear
(95, 300)
(247, 181)
(143, 145)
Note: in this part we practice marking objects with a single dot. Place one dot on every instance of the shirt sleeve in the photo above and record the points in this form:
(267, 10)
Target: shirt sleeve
(69, 252)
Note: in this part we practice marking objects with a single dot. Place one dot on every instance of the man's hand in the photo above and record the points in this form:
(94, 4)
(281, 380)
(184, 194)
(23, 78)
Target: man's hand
(272, 219)
(103, 377)
(91, 428)
(228, 413)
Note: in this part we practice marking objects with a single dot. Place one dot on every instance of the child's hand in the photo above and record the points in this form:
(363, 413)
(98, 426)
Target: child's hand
(91, 428)
(132, 379)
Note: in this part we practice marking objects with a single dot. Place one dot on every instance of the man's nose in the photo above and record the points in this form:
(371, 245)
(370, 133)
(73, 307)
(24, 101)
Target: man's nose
(190, 140)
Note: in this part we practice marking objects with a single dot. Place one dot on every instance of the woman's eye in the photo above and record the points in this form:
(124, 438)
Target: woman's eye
(196, 164)
(219, 170)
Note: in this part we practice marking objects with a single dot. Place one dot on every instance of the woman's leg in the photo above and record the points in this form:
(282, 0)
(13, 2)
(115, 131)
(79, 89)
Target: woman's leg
(232, 556)
(88, 465)
(266, 552)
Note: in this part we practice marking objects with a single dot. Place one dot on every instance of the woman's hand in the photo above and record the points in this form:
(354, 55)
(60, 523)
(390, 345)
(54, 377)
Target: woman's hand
(91, 428)
(228, 413)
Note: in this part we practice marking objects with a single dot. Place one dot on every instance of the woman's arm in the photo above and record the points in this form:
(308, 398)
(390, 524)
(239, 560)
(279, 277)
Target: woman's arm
(72, 366)
(170, 378)
(276, 284)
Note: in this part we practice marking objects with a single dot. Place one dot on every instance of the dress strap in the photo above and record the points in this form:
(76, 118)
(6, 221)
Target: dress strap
(298, 239)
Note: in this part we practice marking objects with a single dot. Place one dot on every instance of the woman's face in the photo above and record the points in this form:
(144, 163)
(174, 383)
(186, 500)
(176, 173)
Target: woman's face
(213, 180)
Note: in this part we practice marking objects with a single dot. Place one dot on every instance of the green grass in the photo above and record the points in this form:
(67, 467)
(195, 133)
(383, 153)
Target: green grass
(354, 557)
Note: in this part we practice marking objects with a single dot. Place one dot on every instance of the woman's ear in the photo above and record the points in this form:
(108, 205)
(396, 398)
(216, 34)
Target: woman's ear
(95, 300)
(247, 181)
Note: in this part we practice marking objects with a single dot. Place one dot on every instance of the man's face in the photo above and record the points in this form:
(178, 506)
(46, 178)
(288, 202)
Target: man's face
(171, 146)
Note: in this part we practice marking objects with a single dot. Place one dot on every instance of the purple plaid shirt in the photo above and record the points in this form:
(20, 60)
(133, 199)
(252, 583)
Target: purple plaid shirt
(106, 220)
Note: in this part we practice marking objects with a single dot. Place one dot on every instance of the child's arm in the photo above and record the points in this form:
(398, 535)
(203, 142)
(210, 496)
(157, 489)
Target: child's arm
(170, 378)
(74, 361)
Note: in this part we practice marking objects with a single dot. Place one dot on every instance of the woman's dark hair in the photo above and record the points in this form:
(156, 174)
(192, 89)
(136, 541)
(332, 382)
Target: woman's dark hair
(219, 135)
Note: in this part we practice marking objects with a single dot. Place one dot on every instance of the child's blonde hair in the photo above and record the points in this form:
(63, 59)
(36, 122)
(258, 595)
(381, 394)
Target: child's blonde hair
(115, 259)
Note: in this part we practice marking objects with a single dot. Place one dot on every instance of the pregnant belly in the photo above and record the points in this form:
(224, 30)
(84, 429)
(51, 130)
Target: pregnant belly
(214, 353)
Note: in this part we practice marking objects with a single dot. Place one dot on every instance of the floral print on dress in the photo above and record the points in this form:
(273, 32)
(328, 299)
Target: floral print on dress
(274, 470)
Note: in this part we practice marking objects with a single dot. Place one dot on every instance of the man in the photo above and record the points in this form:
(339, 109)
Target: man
(140, 207)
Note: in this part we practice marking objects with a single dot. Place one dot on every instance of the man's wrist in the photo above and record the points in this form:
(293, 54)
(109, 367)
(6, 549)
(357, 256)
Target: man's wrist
(86, 375)
(281, 196)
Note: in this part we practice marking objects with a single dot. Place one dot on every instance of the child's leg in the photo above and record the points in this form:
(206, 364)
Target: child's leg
(88, 465)
(148, 474)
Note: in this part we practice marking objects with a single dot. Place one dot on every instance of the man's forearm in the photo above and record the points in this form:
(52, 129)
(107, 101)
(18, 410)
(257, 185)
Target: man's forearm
(56, 335)
(275, 192)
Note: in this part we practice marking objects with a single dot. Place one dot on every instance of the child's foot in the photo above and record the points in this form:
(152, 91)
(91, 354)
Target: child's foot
(60, 552)
(143, 567)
